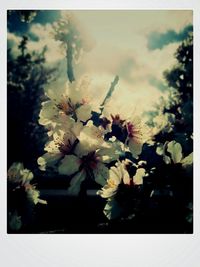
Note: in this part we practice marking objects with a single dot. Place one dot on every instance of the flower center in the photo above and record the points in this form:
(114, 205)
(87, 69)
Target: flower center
(104, 122)
(67, 107)
(117, 120)
(130, 129)
(67, 146)
(111, 183)
(133, 132)
(89, 161)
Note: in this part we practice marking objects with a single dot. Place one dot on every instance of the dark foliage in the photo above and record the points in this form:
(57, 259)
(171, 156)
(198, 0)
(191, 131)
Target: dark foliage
(26, 78)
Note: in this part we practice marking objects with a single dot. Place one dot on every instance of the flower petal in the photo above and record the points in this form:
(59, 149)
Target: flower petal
(90, 139)
(135, 148)
(160, 149)
(75, 183)
(27, 176)
(187, 164)
(84, 112)
(107, 191)
(48, 160)
(101, 173)
(14, 172)
(166, 159)
(109, 151)
(138, 178)
(48, 113)
(187, 161)
(175, 150)
(69, 165)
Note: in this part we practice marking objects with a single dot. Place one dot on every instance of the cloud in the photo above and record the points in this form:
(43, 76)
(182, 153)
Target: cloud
(44, 37)
(158, 40)
(13, 42)
(160, 85)
(46, 16)
(121, 49)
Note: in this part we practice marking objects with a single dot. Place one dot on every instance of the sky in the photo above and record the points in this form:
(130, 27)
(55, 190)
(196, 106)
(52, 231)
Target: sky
(136, 45)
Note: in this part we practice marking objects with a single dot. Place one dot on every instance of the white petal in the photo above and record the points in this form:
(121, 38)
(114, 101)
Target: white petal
(160, 149)
(135, 148)
(52, 147)
(187, 161)
(75, 183)
(126, 177)
(69, 165)
(166, 159)
(101, 173)
(115, 175)
(90, 139)
(27, 176)
(33, 195)
(175, 150)
(107, 191)
(138, 178)
(48, 113)
(56, 92)
(109, 151)
(48, 160)
(74, 94)
(84, 112)
(187, 164)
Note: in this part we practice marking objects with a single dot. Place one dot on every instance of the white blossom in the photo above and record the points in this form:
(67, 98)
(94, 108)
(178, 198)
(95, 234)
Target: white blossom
(118, 175)
(63, 143)
(89, 158)
(175, 154)
(72, 101)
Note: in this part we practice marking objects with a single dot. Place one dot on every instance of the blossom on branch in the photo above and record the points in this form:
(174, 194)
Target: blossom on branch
(70, 101)
(89, 159)
(126, 127)
(118, 180)
(20, 189)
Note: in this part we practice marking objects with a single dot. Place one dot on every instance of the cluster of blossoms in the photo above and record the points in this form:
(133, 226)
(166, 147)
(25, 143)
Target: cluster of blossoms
(172, 154)
(19, 183)
(81, 148)
(175, 166)
(118, 186)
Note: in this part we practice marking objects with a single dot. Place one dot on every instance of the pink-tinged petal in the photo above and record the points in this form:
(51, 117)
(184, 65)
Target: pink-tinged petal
(69, 165)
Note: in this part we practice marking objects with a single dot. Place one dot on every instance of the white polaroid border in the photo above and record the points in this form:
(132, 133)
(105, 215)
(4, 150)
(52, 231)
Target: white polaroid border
(140, 250)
